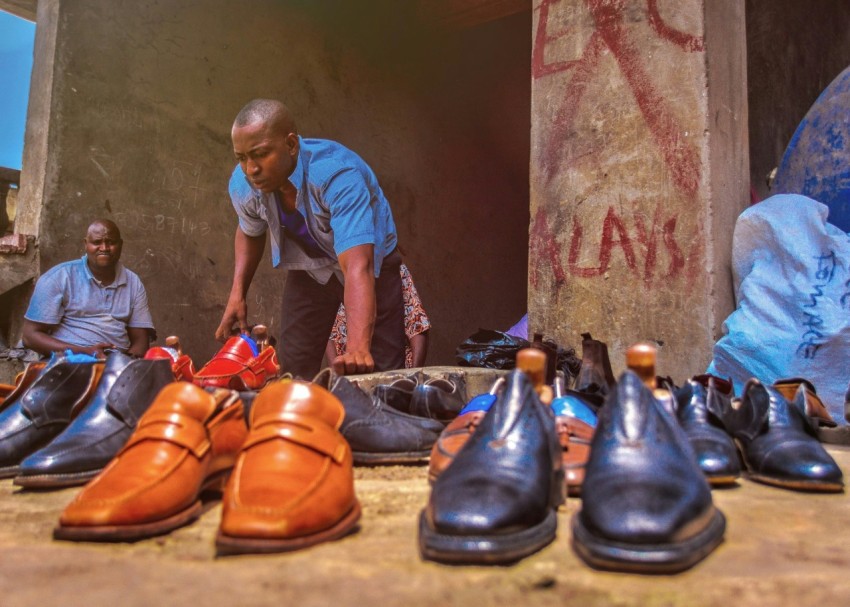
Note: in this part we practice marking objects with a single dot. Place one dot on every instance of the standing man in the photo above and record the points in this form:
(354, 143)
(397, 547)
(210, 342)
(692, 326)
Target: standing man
(331, 227)
(91, 304)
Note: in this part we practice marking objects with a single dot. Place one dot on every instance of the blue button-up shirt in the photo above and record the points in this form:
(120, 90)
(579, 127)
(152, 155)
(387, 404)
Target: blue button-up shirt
(341, 202)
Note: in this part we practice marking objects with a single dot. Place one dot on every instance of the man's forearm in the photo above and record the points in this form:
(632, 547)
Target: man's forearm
(360, 309)
(44, 343)
(248, 251)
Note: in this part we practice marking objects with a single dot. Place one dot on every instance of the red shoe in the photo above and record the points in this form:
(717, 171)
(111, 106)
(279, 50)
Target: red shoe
(241, 364)
(181, 365)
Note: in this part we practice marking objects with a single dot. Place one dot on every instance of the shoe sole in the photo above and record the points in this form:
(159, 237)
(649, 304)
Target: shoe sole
(722, 481)
(485, 549)
(55, 481)
(141, 531)
(128, 533)
(375, 459)
(10, 471)
(609, 555)
(798, 485)
(228, 545)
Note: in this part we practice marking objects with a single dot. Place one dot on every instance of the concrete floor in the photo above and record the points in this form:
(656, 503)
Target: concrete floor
(781, 547)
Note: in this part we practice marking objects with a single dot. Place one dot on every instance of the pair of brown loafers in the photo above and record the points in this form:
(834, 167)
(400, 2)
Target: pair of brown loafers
(291, 486)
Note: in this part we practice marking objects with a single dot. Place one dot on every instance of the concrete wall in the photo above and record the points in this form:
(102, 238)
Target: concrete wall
(794, 50)
(139, 102)
(639, 168)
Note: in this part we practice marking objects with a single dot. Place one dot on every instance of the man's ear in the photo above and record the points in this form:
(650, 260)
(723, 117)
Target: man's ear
(292, 143)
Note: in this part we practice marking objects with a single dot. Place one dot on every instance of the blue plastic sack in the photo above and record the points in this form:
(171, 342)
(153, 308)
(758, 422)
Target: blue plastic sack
(791, 275)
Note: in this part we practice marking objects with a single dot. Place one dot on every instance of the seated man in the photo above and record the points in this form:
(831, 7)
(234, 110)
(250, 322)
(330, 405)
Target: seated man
(91, 304)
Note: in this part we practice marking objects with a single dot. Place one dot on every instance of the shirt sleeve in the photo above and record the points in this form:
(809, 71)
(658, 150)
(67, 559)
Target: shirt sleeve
(352, 216)
(246, 205)
(47, 304)
(140, 314)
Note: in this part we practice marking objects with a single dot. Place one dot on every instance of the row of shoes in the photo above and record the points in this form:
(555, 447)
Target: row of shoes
(66, 418)
(643, 462)
(641, 452)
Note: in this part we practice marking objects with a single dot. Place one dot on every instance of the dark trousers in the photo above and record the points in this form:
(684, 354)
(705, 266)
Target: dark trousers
(309, 311)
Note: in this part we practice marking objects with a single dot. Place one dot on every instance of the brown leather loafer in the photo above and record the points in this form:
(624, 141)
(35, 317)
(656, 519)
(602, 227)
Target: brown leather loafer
(451, 440)
(457, 433)
(293, 484)
(185, 443)
(815, 409)
(575, 437)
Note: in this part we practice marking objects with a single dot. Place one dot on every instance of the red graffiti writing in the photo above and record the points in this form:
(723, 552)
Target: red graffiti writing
(686, 41)
(634, 240)
(681, 158)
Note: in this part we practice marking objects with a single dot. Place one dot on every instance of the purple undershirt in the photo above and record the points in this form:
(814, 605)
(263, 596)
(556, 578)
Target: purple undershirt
(296, 228)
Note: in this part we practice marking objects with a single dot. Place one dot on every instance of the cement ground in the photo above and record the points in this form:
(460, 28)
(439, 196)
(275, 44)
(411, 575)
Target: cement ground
(781, 548)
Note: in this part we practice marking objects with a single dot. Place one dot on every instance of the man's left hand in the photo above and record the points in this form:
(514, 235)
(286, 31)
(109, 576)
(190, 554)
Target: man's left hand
(352, 363)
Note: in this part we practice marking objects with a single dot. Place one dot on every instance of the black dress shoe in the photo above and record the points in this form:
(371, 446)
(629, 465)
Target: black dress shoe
(397, 394)
(595, 378)
(699, 414)
(379, 434)
(778, 440)
(646, 505)
(439, 398)
(497, 502)
(44, 409)
(126, 389)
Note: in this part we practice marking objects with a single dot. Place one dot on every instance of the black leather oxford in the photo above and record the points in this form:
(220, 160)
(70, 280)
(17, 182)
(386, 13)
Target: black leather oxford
(779, 442)
(44, 409)
(497, 502)
(646, 505)
(126, 389)
(379, 434)
(699, 416)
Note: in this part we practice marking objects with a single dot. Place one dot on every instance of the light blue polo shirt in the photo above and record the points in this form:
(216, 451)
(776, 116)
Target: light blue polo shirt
(341, 202)
(86, 312)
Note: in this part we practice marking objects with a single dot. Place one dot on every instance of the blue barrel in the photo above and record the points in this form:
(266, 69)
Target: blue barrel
(816, 162)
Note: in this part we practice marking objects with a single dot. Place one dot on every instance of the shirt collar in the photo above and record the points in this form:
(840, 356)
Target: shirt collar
(297, 177)
(120, 274)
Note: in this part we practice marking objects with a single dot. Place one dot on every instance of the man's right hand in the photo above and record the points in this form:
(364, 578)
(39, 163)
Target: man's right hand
(97, 350)
(235, 312)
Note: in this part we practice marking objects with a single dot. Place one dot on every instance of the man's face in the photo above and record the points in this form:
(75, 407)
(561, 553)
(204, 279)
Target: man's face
(266, 157)
(103, 246)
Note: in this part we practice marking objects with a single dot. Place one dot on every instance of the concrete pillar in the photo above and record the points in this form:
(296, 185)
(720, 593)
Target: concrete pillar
(639, 167)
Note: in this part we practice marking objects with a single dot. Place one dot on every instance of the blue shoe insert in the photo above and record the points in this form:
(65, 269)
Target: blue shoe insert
(571, 406)
(73, 357)
(255, 349)
(482, 402)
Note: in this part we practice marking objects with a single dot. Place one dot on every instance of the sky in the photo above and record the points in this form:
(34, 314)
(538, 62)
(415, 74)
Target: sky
(16, 43)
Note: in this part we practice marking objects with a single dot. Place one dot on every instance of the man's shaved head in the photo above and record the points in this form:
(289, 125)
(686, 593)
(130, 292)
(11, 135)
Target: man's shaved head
(104, 226)
(275, 115)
